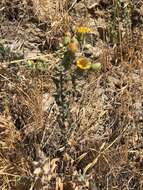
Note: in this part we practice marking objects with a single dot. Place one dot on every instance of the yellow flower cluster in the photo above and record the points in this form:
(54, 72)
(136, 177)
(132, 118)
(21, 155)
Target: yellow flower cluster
(73, 46)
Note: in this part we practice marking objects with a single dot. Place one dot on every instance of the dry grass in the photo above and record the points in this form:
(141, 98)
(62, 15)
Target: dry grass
(60, 130)
(48, 10)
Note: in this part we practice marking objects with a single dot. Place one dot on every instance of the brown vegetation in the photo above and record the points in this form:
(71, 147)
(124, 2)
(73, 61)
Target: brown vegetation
(66, 128)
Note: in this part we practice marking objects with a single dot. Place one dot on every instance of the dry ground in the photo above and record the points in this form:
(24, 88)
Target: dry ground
(64, 129)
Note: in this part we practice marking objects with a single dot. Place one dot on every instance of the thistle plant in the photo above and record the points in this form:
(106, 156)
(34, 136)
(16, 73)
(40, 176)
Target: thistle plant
(66, 75)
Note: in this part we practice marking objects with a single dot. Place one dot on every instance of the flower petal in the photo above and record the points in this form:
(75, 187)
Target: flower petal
(83, 63)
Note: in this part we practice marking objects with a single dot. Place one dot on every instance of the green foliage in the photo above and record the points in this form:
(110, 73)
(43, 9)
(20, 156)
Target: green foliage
(37, 65)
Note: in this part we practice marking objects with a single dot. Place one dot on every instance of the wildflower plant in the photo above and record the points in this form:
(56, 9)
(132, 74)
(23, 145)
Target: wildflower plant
(66, 75)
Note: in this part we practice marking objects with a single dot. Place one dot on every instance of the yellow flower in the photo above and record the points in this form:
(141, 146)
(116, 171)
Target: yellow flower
(83, 63)
(83, 30)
